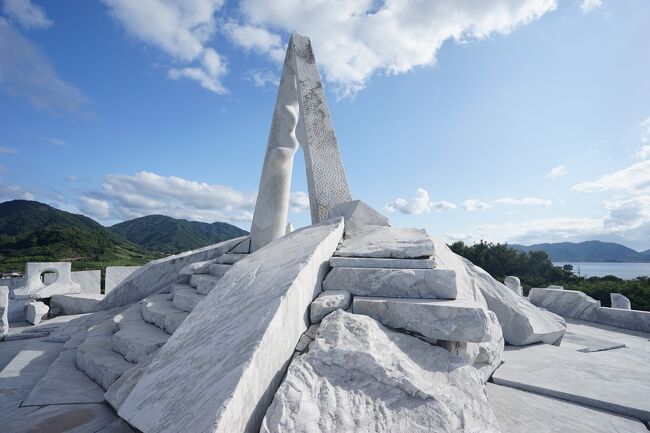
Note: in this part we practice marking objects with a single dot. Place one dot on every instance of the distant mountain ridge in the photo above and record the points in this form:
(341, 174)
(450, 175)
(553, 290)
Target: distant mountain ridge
(588, 251)
(170, 235)
(33, 231)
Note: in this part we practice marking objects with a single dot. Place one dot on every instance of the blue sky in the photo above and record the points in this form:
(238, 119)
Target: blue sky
(521, 121)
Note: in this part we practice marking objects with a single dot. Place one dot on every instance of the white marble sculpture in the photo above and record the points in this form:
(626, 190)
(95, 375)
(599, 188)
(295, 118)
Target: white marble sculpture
(33, 287)
(620, 301)
(514, 284)
(301, 117)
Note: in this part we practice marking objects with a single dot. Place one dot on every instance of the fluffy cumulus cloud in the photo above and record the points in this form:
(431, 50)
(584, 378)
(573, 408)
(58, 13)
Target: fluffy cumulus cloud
(13, 192)
(94, 207)
(180, 28)
(27, 14)
(589, 5)
(419, 204)
(26, 72)
(556, 172)
(145, 193)
(474, 204)
(298, 201)
(645, 130)
(633, 179)
(355, 39)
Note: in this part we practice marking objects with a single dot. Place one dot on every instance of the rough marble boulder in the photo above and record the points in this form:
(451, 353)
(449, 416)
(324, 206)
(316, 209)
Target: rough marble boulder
(4, 308)
(620, 301)
(514, 284)
(522, 322)
(32, 286)
(386, 242)
(566, 303)
(328, 302)
(394, 283)
(79, 303)
(36, 311)
(358, 214)
(219, 370)
(358, 376)
(157, 274)
(462, 320)
(484, 357)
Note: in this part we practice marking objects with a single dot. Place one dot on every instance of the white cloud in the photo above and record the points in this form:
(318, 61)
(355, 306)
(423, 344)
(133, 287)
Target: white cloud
(556, 172)
(645, 131)
(70, 178)
(181, 29)
(474, 204)
(146, 193)
(355, 39)
(626, 221)
(419, 204)
(263, 78)
(255, 38)
(26, 72)
(95, 208)
(589, 5)
(298, 201)
(644, 152)
(53, 140)
(6, 150)
(13, 192)
(525, 201)
(27, 14)
(635, 178)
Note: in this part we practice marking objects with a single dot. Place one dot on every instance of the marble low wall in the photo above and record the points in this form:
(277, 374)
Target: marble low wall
(116, 274)
(578, 305)
(635, 320)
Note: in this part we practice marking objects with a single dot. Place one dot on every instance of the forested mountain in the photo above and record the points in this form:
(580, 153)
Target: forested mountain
(170, 235)
(33, 231)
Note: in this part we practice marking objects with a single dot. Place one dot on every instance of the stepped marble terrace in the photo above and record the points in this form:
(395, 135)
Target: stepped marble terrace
(347, 325)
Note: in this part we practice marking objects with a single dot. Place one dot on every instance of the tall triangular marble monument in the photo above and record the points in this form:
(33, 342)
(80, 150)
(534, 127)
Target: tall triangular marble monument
(301, 117)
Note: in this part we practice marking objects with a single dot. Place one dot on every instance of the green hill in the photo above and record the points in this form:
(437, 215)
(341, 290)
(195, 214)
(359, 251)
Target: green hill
(589, 251)
(170, 235)
(33, 231)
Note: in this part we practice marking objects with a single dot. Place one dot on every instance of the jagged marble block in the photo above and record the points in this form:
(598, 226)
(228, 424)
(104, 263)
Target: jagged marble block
(219, 370)
(360, 377)
(514, 284)
(328, 302)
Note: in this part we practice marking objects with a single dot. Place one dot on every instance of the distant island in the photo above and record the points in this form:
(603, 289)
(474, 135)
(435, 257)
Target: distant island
(588, 251)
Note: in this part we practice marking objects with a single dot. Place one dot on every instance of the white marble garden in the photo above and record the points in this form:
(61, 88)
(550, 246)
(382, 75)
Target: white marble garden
(346, 325)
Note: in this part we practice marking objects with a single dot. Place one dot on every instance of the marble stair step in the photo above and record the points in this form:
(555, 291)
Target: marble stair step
(96, 358)
(136, 339)
(160, 311)
(458, 320)
(203, 283)
(186, 299)
(179, 286)
(218, 269)
(394, 283)
(230, 258)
